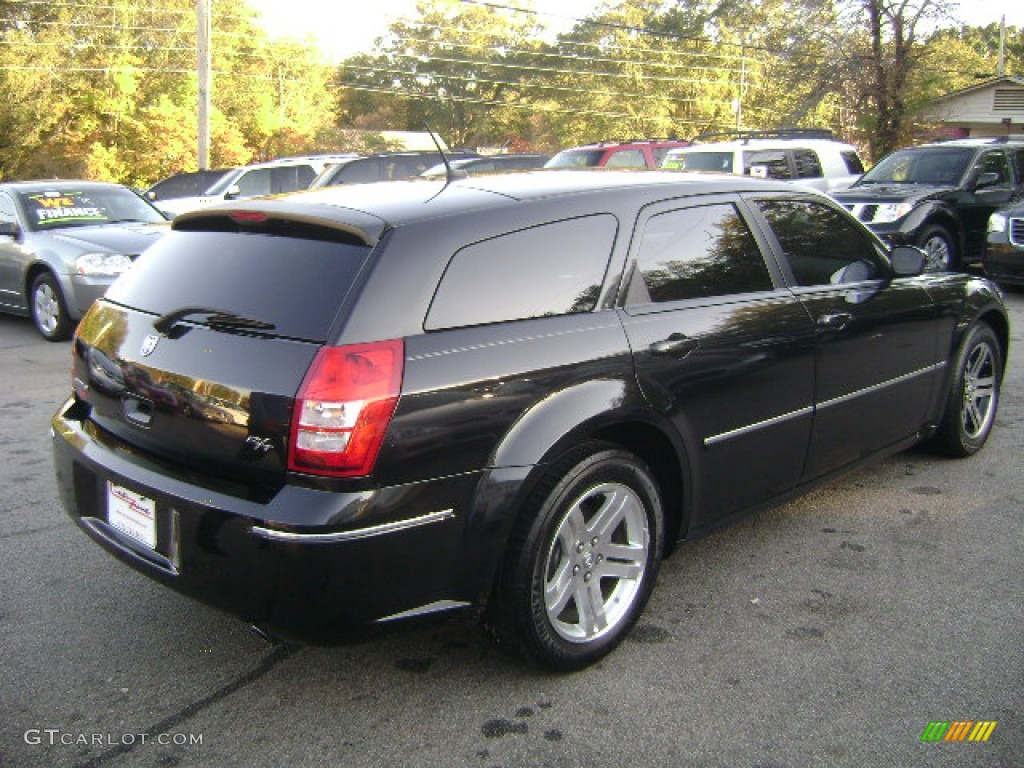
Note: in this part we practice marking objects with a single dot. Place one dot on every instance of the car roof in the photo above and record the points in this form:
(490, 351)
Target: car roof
(795, 142)
(975, 143)
(368, 210)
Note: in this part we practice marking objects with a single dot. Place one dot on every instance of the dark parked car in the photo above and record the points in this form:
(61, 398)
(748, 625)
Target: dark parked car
(938, 196)
(1004, 257)
(62, 243)
(489, 164)
(510, 394)
(385, 166)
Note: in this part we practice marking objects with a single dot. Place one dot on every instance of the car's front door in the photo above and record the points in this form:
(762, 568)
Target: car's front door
(12, 257)
(722, 350)
(878, 355)
(982, 201)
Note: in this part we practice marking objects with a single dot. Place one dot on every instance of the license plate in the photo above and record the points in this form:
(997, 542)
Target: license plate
(132, 514)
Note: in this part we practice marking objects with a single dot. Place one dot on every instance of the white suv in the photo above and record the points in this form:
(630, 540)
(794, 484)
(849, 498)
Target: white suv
(809, 156)
(256, 180)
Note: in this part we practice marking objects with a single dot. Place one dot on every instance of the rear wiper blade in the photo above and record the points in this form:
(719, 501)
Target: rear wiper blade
(215, 318)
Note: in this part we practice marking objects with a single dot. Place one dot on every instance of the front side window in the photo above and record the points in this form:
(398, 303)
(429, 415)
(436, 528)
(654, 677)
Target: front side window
(255, 183)
(289, 178)
(696, 253)
(8, 215)
(993, 162)
(576, 158)
(551, 269)
(822, 246)
(361, 171)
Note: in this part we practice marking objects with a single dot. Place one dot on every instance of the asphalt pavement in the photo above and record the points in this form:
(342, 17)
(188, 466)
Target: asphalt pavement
(831, 631)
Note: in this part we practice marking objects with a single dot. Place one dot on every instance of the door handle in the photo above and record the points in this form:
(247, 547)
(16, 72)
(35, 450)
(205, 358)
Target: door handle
(835, 322)
(676, 345)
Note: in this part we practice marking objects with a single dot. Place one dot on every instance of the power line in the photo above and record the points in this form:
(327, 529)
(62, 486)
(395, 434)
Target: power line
(528, 86)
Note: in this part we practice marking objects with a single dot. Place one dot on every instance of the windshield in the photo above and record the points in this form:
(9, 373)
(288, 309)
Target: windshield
(61, 207)
(576, 158)
(938, 165)
(699, 161)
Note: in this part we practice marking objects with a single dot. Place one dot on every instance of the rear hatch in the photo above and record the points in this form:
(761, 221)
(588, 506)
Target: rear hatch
(195, 355)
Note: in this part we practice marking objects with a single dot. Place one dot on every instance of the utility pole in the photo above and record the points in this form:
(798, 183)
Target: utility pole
(203, 73)
(1002, 47)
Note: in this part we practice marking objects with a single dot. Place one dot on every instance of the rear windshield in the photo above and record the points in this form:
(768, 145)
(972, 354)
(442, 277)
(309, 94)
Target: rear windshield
(294, 284)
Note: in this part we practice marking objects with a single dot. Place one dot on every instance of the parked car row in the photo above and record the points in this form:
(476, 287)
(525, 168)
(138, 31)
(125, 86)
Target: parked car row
(936, 196)
(290, 174)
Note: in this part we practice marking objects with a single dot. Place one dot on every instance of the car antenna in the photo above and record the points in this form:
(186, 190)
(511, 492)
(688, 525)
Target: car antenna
(450, 174)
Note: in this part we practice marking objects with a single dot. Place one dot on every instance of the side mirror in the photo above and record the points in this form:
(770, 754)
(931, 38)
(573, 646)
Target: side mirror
(150, 195)
(9, 229)
(908, 260)
(233, 192)
(989, 179)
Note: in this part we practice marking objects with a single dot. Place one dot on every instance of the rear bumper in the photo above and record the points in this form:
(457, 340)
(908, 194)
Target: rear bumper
(340, 561)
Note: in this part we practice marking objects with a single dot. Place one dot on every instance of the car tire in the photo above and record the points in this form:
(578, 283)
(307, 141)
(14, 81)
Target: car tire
(973, 394)
(940, 249)
(49, 311)
(582, 561)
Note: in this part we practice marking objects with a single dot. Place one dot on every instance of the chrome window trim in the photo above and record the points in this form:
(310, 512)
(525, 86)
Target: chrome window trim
(359, 533)
(810, 409)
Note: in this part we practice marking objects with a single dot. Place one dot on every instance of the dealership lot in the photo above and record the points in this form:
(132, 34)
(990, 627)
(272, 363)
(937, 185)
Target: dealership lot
(829, 631)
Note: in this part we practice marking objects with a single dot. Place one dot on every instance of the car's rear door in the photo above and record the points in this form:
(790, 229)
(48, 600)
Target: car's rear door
(878, 354)
(721, 349)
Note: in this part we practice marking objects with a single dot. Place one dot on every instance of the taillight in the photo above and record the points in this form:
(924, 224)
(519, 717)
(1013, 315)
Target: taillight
(343, 408)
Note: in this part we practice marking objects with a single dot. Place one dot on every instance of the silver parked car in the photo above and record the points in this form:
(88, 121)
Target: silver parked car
(62, 243)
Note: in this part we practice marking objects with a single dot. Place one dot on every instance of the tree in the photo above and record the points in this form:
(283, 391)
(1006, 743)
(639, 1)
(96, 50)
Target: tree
(895, 54)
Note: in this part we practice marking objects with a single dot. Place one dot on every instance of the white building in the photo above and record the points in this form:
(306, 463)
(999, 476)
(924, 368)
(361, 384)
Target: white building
(991, 108)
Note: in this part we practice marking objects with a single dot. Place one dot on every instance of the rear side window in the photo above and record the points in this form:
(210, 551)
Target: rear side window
(697, 253)
(552, 269)
(294, 283)
(822, 246)
(774, 160)
(808, 166)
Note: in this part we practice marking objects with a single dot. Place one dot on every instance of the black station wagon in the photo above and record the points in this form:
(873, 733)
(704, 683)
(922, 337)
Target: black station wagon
(510, 395)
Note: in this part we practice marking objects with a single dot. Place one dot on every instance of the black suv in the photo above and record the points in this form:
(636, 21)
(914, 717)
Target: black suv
(510, 394)
(939, 196)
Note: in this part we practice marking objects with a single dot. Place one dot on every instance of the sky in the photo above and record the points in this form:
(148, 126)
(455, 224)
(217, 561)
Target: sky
(343, 27)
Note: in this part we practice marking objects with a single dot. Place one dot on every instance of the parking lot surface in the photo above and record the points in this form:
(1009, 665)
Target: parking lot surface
(830, 631)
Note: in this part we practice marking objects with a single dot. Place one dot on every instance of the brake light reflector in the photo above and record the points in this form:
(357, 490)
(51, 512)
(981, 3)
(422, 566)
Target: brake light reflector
(343, 408)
